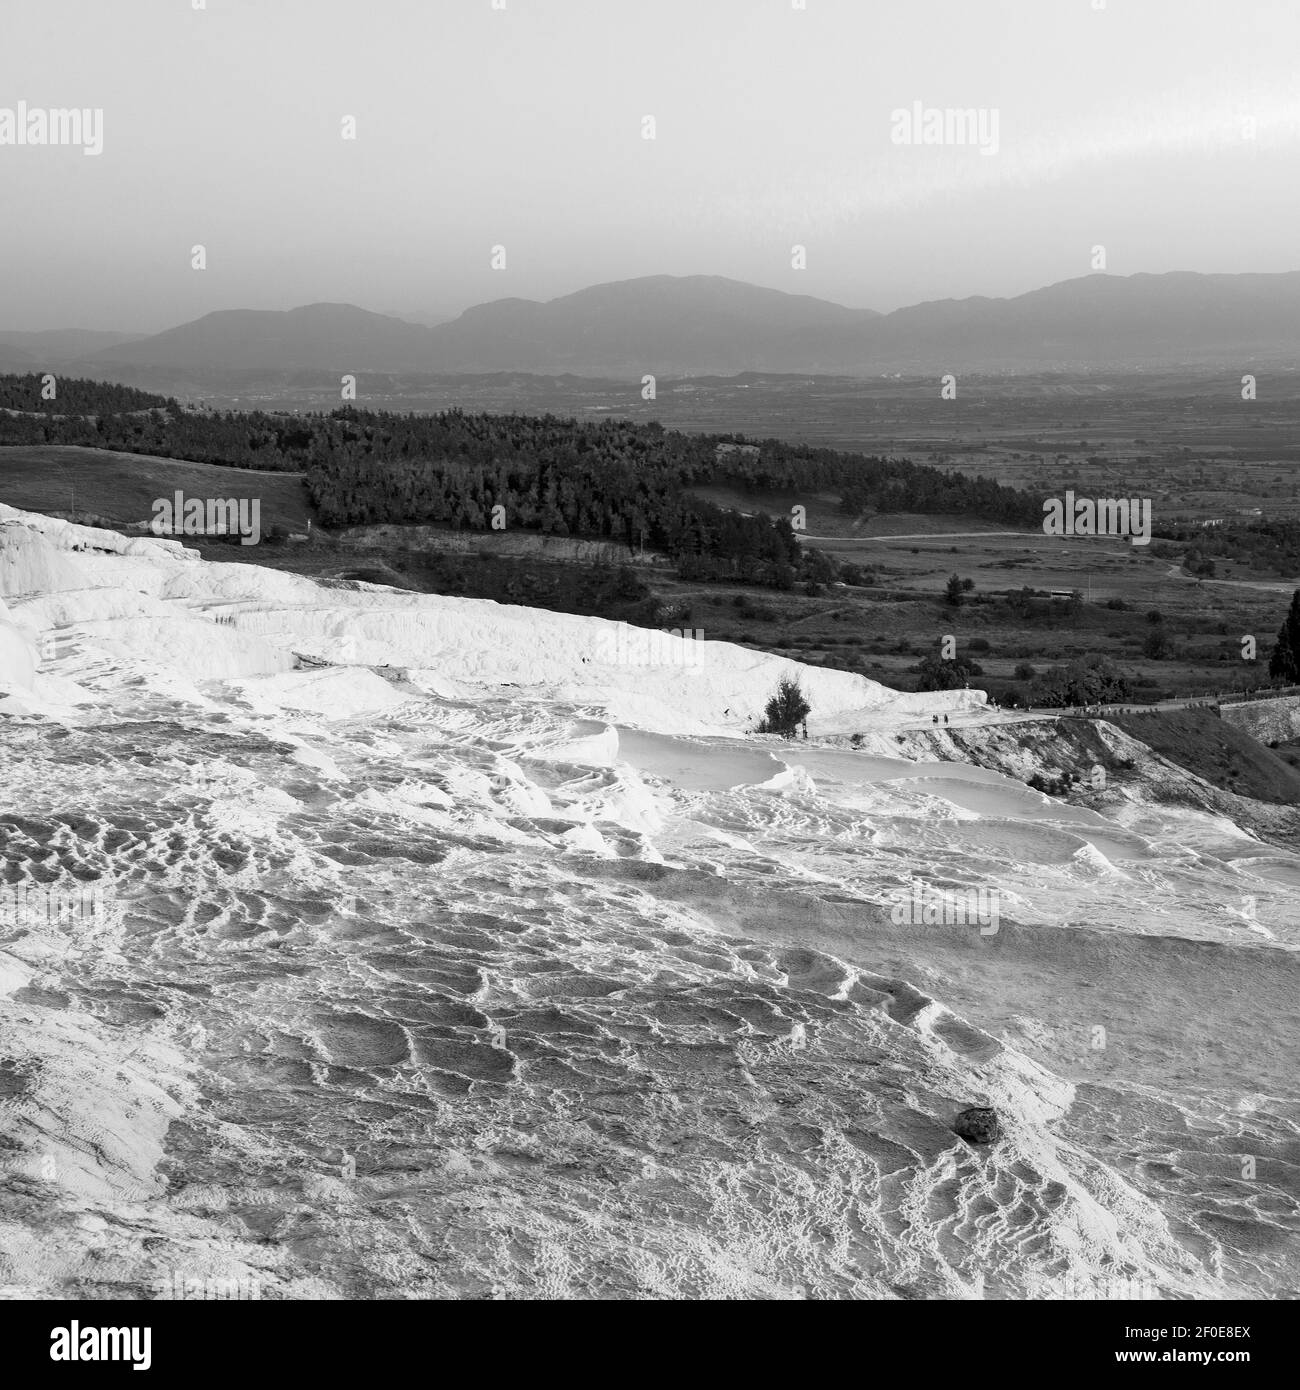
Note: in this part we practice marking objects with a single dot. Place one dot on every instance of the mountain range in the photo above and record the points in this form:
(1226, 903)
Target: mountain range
(29, 352)
(688, 325)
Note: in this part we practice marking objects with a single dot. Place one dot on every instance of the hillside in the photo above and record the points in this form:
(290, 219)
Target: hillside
(333, 337)
(51, 347)
(1223, 755)
(613, 480)
(121, 487)
(659, 323)
(1099, 320)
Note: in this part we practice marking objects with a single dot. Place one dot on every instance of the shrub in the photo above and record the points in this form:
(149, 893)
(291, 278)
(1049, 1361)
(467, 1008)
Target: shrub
(937, 674)
(1081, 682)
(786, 709)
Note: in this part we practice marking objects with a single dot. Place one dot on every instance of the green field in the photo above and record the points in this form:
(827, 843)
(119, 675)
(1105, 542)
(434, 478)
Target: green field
(884, 629)
(100, 485)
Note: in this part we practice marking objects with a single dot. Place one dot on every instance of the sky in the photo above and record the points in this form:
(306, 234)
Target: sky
(1165, 131)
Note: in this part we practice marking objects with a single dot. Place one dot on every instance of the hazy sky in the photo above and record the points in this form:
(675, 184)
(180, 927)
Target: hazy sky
(522, 126)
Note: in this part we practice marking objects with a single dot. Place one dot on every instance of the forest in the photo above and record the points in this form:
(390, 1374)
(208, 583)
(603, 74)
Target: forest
(1269, 546)
(73, 396)
(610, 479)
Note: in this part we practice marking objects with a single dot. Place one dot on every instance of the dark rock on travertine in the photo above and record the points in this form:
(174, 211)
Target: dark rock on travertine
(978, 1125)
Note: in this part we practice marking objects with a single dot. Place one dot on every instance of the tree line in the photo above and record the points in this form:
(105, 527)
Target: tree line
(1270, 546)
(610, 479)
(73, 396)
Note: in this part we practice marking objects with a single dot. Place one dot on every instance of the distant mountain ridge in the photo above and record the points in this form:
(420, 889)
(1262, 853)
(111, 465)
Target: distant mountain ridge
(28, 352)
(697, 324)
(314, 337)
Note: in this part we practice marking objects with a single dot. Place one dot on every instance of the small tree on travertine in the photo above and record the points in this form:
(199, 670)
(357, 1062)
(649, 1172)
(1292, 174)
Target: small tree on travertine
(786, 710)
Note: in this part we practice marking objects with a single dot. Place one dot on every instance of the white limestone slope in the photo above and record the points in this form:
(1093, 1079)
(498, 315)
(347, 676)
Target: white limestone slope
(525, 938)
(17, 655)
(150, 601)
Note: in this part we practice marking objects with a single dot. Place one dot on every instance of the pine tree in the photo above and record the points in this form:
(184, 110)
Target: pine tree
(1284, 664)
